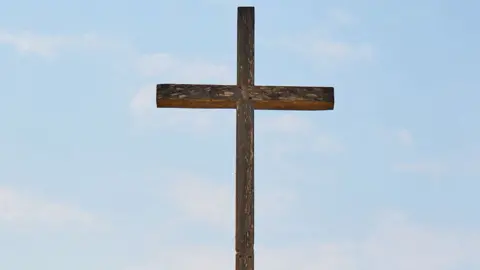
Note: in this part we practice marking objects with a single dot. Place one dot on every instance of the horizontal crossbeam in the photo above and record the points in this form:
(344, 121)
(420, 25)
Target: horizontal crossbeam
(209, 96)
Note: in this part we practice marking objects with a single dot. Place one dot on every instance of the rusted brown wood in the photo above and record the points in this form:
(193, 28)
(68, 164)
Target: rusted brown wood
(244, 233)
(262, 97)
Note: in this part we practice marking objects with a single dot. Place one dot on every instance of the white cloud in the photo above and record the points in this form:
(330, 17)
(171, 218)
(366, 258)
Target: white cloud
(209, 202)
(327, 144)
(202, 200)
(318, 143)
(289, 132)
(399, 244)
(322, 46)
(394, 243)
(283, 123)
(405, 137)
(339, 16)
(461, 164)
(433, 168)
(325, 51)
(50, 45)
(173, 69)
(144, 101)
(22, 209)
(328, 52)
(429, 168)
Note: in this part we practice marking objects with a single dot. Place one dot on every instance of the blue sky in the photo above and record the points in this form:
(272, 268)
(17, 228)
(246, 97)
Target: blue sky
(93, 176)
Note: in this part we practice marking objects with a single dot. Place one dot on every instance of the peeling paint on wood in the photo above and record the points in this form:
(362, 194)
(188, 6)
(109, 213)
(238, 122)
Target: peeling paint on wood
(262, 97)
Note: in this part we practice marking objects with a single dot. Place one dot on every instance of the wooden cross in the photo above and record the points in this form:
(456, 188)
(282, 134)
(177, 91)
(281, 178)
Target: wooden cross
(245, 97)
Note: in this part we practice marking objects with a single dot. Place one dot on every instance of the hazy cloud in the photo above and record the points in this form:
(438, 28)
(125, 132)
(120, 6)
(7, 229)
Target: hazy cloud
(210, 202)
(49, 45)
(429, 168)
(405, 137)
(395, 242)
(24, 209)
(176, 69)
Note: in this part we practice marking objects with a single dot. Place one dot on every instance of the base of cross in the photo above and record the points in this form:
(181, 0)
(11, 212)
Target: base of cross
(244, 262)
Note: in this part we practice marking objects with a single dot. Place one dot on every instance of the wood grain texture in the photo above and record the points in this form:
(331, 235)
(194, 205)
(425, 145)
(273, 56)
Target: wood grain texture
(262, 97)
(244, 217)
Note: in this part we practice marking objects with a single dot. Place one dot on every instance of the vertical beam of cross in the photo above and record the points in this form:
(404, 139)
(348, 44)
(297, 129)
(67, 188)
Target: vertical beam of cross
(244, 220)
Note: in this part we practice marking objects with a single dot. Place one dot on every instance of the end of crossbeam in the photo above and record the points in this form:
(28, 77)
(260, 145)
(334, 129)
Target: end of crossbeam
(196, 96)
(298, 98)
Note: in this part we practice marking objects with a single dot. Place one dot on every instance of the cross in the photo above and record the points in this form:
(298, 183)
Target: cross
(244, 97)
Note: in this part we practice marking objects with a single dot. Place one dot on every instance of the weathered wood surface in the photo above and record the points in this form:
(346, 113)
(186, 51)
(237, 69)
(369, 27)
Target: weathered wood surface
(262, 97)
(244, 233)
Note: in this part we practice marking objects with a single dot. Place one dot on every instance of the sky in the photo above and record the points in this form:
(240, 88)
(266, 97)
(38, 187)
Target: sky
(94, 176)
